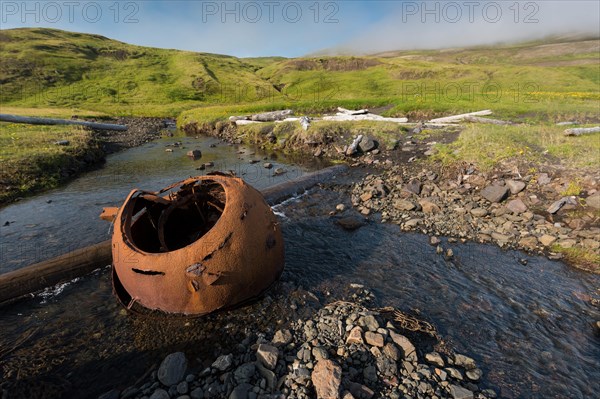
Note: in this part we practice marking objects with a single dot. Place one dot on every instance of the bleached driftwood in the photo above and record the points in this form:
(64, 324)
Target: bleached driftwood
(242, 122)
(272, 116)
(477, 119)
(582, 130)
(235, 118)
(363, 117)
(458, 118)
(352, 148)
(352, 112)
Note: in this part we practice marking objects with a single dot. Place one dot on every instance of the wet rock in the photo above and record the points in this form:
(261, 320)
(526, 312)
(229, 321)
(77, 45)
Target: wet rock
(412, 222)
(474, 374)
(267, 165)
(223, 362)
(464, 361)
(515, 186)
(435, 358)
(557, 205)
(327, 377)
(350, 223)
(340, 207)
(449, 253)
(279, 171)
(182, 388)
(433, 240)
(197, 393)
(459, 392)
(112, 394)
(160, 394)
(194, 154)
(494, 193)
(516, 206)
(172, 369)
(370, 374)
(454, 373)
(241, 391)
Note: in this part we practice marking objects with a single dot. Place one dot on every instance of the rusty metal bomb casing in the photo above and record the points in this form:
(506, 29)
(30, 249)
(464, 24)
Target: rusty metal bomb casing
(203, 244)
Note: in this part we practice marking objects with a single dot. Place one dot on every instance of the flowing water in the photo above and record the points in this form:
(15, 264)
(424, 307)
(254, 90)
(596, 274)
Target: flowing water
(530, 327)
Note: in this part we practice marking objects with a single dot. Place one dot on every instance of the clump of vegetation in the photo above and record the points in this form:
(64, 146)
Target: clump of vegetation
(580, 257)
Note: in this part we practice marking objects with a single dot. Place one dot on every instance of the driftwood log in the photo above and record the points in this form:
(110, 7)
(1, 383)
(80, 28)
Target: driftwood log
(582, 130)
(458, 118)
(36, 277)
(272, 116)
(50, 121)
(477, 119)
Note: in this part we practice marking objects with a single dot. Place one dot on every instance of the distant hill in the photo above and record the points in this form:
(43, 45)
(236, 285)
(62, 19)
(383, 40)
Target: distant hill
(53, 68)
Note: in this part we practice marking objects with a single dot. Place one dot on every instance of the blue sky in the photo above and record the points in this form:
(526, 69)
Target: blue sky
(296, 28)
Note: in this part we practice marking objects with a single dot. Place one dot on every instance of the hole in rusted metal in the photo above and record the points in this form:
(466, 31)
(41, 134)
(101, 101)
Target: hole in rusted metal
(178, 220)
(148, 272)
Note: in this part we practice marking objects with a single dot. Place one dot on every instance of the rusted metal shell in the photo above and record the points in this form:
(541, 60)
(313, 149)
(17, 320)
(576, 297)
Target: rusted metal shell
(200, 245)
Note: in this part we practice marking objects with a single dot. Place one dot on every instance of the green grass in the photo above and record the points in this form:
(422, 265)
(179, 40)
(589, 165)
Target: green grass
(48, 68)
(30, 161)
(487, 145)
(580, 257)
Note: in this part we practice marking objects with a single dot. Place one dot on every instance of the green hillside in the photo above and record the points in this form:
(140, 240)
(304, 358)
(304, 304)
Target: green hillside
(47, 68)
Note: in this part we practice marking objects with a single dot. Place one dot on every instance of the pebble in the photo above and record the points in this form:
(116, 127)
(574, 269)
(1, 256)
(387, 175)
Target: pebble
(172, 369)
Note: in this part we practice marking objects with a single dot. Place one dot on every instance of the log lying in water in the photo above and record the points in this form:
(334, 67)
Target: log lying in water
(82, 261)
(50, 121)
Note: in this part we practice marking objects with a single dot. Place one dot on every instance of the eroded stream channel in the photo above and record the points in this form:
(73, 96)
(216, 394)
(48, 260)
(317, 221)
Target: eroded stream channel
(530, 327)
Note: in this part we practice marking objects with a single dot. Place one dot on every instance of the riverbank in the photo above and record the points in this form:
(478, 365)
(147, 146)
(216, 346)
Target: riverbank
(344, 348)
(37, 158)
(522, 187)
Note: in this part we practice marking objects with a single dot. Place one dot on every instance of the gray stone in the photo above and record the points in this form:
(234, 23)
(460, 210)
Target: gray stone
(194, 154)
(515, 186)
(172, 369)
(543, 179)
(62, 142)
(366, 144)
(474, 374)
(390, 350)
(112, 394)
(182, 387)
(370, 322)
(547, 240)
(593, 200)
(459, 392)
(494, 193)
(268, 375)
(370, 374)
(282, 338)
(434, 240)
(374, 339)
(557, 205)
(479, 212)
(464, 361)
(414, 186)
(435, 358)
(360, 391)
(268, 165)
(244, 372)
(223, 362)
(516, 206)
(404, 205)
(320, 353)
(197, 393)
(241, 391)
(454, 373)
(407, 347)
(267, 355)
(160, 394)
